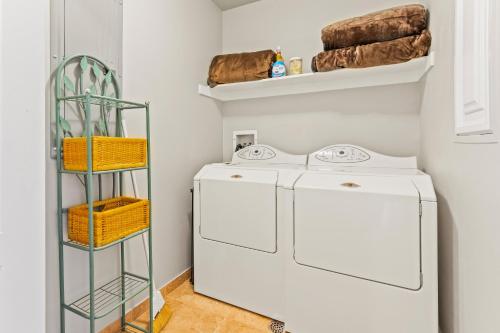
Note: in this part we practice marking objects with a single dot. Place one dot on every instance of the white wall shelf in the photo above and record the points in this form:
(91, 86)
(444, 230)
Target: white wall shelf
(409, 72)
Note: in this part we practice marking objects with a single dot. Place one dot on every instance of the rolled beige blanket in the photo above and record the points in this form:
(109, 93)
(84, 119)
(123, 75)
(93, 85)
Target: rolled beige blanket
(381, 26)
(240, 67)
(376, 54)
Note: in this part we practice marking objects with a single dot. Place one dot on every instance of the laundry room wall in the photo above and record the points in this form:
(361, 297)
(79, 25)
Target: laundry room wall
(466, 177)
(24, 73)
(165, 51)
(168, 46)
(77, 27)
(383, 119)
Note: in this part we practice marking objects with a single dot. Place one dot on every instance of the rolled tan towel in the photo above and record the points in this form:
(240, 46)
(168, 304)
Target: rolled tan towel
(376, 54)
(381, 26)
(240, 67)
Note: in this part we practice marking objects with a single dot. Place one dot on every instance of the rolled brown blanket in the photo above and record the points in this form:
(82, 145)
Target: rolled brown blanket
(240, 67)
(381, 26)
(376, 54)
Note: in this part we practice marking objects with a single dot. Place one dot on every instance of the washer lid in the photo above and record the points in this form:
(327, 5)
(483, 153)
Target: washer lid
(238, 207)
(366, 227)
(241, 175)
(287, 174)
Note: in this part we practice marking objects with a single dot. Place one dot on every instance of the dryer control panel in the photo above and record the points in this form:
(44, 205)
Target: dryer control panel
(351, 155)
(342, 154)
(264, 154)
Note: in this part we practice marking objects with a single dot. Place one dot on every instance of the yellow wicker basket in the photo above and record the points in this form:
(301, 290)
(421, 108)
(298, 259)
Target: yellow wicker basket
(114, 219)
(108, 153)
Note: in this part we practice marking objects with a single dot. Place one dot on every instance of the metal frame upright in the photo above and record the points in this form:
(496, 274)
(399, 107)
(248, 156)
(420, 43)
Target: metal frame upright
(103, 300)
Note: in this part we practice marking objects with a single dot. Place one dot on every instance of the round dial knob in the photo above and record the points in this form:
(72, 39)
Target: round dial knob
(341, 153)
(256, 152)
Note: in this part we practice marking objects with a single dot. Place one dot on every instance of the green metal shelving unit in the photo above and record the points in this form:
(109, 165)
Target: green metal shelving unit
(101, 300)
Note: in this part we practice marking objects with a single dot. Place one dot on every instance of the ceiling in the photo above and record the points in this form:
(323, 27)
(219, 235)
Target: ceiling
(228, 4)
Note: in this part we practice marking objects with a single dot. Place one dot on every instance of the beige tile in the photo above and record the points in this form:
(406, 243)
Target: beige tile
(194, 313)
(186, 295)
(184, 291)
(191, 319)
(232, 326)
(248, 318)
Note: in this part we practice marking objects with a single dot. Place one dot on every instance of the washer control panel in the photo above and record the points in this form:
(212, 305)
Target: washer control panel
(257, 153)
(342, 154)
(264, 154)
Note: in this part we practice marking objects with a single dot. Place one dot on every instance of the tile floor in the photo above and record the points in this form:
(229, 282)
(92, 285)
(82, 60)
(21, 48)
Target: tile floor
(194, 313)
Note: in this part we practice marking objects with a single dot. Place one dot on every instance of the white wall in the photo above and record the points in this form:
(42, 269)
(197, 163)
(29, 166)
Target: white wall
(164, 41)
(168, 46)
(23, 75)
(76, 29)
(302, 124)
(467, 178)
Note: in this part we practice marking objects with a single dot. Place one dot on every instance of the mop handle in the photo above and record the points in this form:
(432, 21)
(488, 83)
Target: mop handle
(136, 194)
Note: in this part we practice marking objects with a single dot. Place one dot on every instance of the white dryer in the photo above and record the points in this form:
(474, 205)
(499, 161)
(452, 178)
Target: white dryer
(362, 246)
(239, 228)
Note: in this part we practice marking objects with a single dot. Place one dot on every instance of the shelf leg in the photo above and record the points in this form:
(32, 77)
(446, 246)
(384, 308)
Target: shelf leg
(99, 177)
(114, 185)
(119, 134)
(90, 201)
(151, 290)
(122, 267)
(61, 270)
(150, 233)
(62, 313)
(122, 245)
(85, 180)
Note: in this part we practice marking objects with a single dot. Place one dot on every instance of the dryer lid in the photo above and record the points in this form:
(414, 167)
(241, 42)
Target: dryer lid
(375, 184)
(366, 227)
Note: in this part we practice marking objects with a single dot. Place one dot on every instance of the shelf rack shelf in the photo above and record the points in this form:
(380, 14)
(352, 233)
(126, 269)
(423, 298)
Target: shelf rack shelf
(85, 247)
(72, 172)
(110, 296)
(99, 301)
(409, 72)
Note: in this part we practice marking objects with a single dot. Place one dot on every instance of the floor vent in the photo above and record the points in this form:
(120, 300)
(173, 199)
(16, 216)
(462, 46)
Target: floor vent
(277, 327)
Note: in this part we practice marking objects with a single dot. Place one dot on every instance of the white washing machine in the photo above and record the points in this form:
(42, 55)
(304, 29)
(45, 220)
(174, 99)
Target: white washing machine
(239, 228)
(362, 246)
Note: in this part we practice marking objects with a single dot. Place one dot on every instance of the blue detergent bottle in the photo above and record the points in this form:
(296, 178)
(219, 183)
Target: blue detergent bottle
(279, 68)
